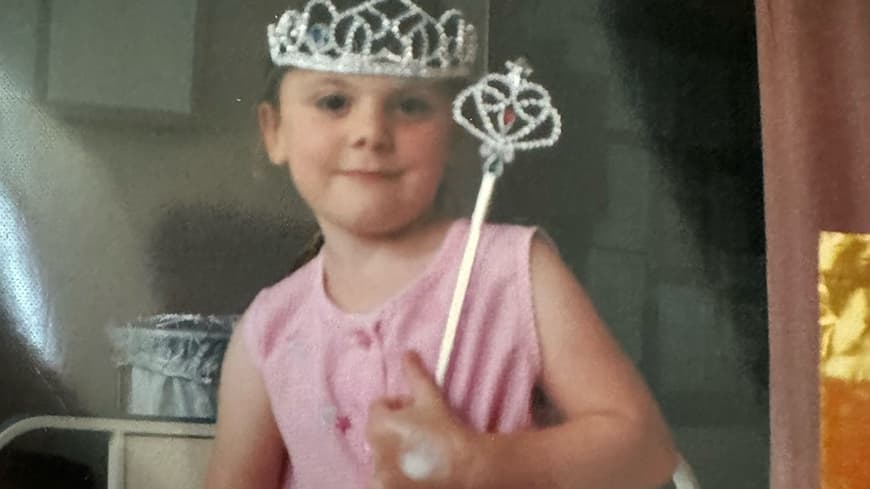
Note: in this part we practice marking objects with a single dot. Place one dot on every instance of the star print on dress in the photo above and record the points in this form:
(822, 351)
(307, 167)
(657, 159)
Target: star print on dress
(343, 424)
(296, 348)
(328, 416)
(330, 419)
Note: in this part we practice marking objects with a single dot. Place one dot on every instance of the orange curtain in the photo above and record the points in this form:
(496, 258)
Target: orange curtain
(814, 69)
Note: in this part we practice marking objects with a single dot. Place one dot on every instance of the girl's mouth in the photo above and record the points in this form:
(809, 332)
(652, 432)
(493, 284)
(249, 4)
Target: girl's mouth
(371, 175)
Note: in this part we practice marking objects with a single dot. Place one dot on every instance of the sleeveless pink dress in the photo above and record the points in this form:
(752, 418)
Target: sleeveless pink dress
(323, 367)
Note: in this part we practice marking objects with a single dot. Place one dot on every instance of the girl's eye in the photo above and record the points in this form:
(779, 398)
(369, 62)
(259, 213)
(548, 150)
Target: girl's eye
(414, 106)
(333, 103)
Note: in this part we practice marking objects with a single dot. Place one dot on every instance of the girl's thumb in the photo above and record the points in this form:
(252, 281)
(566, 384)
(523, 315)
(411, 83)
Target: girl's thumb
(423, 387)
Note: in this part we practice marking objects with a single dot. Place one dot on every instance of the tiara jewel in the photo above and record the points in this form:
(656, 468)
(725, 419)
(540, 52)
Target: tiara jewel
(375, 37)
(508, 113)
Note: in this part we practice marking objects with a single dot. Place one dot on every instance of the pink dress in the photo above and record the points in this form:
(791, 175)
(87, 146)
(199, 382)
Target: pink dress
(322, 367)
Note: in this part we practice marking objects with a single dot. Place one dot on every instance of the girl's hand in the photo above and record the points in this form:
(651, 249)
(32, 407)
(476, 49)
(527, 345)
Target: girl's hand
(416, 442)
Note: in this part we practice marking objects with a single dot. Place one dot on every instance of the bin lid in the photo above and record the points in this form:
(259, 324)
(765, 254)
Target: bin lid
(188, 346)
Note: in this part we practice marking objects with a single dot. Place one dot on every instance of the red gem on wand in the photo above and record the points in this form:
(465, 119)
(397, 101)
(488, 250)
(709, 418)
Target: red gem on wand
(509, 116)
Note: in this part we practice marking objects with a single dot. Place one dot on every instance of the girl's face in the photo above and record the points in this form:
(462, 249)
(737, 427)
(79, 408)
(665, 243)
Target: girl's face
(367, 153)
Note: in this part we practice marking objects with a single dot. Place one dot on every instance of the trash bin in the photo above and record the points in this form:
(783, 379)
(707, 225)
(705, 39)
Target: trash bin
(169, 365)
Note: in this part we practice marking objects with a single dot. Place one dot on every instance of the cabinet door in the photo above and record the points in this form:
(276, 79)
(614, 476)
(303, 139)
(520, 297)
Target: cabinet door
(123, 54)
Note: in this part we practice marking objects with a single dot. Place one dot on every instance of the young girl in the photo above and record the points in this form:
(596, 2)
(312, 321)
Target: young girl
(327, 379)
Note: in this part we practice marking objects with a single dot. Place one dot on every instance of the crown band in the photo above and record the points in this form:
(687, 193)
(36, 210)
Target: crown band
(365, 40)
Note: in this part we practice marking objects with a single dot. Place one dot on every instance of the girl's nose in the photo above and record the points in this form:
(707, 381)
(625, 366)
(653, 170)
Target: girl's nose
(372, 129)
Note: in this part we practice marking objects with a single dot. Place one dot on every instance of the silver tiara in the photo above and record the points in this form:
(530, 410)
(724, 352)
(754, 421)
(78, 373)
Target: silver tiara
(375, 37)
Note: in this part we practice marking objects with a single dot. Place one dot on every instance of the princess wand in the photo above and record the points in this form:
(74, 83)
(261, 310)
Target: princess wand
(508, 113)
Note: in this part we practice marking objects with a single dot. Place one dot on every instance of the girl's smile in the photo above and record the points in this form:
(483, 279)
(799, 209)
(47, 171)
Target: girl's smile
(367, 153)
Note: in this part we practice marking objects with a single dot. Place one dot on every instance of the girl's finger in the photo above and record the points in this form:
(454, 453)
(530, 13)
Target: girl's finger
(423, 387)
(402, 402)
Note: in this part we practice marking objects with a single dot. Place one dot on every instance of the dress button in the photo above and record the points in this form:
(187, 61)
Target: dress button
(362, 339)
